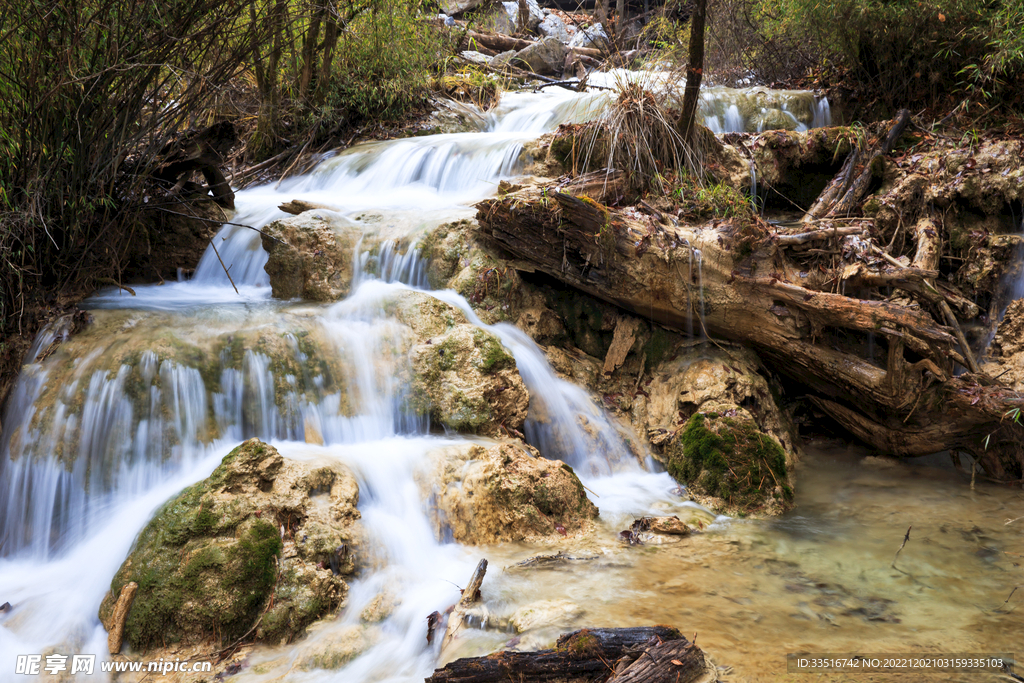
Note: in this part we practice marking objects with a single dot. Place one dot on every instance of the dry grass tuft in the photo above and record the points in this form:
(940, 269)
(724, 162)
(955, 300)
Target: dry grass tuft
(640, 133)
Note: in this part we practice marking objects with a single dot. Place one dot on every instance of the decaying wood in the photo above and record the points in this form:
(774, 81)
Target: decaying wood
(625, 655)
(785, 240)
(836, 187)
(846, 203)
(794, 319)
(119, 617)
(459, 613)
(601, 186)
(622, 341)
(667, 662)
(204, 151)
(503, 43)
(297, 206)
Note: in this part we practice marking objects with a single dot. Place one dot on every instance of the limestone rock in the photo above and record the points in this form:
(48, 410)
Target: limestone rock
(451, 7)
(502, 59)
(458, 261)
(330, 647)
(552, 26)
(310, 256)
(1008, 347)
(506, 493)
(593, 37)
(469, 382)
(710, 410)
(546, 56)
(251, 543)
(560, 613)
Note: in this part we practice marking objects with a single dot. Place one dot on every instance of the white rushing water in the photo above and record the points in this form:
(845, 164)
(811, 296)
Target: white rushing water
(85, 464)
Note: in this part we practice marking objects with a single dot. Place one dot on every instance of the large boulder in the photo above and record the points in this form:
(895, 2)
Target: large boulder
(469, 382)
(506, 493)
(546, 56)
(458, 261)
(262, 543)
(310, 256)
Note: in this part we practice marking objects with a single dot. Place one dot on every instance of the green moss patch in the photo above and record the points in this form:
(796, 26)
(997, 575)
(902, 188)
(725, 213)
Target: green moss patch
(730, 458)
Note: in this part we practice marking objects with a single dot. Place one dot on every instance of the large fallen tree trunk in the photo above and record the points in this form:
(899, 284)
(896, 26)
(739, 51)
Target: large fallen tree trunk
(739, 282)
(655, 654)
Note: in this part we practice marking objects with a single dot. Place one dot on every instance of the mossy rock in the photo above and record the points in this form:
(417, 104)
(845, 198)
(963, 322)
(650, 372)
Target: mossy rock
(468, 382)
(211, 563)
(729, 458)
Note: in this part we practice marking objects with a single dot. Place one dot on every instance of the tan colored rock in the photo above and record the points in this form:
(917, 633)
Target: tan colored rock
(310, 256)
(506, 493)
(115, 637)
(469, 382)
(458, 261)
(330, 647)
(379, 609)
(1008, 348)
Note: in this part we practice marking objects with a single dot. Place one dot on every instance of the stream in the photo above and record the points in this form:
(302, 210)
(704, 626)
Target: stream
(101, 432)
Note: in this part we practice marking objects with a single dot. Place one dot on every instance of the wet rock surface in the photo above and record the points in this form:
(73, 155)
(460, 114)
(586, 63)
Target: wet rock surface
(310, 256)
(468, 382)
(260, 547)
(506, 493)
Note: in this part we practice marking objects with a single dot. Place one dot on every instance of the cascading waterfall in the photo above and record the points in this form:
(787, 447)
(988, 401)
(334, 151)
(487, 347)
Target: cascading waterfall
(94, 444)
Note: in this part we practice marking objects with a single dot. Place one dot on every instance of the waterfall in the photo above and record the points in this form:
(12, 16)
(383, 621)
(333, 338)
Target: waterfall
(103, 431)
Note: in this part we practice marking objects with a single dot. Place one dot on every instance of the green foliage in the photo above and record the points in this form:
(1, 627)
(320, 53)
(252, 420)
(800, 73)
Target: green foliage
(385, 61)
(89, 93)
(712, 201)
(906, 51)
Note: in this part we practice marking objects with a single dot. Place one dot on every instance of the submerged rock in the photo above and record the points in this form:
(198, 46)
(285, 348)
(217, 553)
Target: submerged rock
(330, 647)
(506, 493)
(310, 256)
(545, 613)
(246, 549)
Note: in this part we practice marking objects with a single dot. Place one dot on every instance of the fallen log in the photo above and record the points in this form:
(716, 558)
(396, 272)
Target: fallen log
(503, 43)
(738, 286)
(594, 656)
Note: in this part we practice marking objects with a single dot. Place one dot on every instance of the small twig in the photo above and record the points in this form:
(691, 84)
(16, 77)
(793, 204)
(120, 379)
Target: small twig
(223, 266)
(905, 539)
(115, 283)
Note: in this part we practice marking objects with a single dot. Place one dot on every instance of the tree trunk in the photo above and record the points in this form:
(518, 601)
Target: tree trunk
(694, 71)
(330, 42)
(309, 50)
